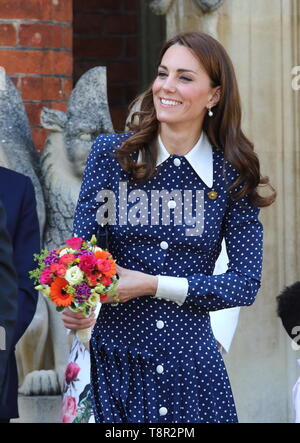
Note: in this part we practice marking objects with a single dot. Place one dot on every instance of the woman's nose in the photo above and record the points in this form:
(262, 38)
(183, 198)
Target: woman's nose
(169, 84)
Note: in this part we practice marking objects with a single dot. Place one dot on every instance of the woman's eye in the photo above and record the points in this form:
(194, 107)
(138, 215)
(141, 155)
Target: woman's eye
(186, 79)
(161, 74)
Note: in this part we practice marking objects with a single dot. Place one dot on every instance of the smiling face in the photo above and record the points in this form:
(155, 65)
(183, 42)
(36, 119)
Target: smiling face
(182, 90)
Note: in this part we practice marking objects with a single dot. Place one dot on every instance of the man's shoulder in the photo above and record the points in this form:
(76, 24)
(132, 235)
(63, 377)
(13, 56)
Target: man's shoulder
(12, 178)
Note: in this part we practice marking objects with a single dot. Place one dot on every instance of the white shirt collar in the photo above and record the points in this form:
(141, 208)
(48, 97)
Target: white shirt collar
(200, 157)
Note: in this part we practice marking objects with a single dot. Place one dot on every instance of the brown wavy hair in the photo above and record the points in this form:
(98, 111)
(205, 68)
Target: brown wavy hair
(223, 129)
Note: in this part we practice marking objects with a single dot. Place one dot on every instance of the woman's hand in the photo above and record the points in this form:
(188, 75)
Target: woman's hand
(76, 321)
(132, 284)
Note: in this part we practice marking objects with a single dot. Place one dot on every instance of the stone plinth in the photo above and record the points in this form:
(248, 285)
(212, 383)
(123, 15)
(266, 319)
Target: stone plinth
(39, 409)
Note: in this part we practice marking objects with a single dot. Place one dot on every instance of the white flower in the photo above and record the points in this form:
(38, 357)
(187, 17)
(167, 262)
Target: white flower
(67, 251)
(74, 275)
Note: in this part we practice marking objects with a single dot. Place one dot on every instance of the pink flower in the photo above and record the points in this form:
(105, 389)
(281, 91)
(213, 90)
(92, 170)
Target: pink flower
(72, 371)
(58, 269)
(75, 242)
(103, 265)
(66, 259)
(87, 263)
(69, 410)
(45, 277)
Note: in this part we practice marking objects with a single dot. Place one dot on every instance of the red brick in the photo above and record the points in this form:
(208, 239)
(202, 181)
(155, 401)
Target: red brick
(120, 24)
(8, 34)
(131, 46)
(67, 87)
(97, 47)
(118, 116)
(80, 67)
(39, 136)
(96, 5)
(33, 111)
(29, 9)
(60, 10)
(122, 72)
(116, 95)
(42, 88)
(131, 5)
(87, 23)
(41, 35)
(67, 37)
(36, 62)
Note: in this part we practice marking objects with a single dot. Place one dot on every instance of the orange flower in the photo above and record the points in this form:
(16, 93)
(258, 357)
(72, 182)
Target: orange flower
(59, 294)
(112, 271)
(102, 254)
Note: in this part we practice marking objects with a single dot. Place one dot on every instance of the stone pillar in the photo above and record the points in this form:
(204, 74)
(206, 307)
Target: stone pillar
(262, 38)
(36, 51)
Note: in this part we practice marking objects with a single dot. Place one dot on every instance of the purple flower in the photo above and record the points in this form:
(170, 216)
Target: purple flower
(52, 257)
(83, 293)
(83, 252)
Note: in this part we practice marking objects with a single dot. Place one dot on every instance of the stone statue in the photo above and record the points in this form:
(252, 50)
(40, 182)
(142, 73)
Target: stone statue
(44, 348)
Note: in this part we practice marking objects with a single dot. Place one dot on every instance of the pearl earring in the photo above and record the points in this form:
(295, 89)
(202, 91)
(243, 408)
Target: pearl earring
(210, 113)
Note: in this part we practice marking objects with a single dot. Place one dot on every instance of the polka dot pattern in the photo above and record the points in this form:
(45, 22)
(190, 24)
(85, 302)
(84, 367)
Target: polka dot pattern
(131, 340)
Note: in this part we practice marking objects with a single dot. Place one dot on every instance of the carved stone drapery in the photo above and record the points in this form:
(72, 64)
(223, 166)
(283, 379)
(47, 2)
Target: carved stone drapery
(209, 5)
(162, 7)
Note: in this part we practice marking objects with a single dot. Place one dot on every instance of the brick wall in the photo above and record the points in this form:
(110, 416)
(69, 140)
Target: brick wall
(106, 33)
(36, 51)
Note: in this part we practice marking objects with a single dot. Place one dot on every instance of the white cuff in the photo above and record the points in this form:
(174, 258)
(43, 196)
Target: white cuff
(172, 289)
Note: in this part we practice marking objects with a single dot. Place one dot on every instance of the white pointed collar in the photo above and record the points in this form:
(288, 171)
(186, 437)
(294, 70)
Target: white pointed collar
(200, 157)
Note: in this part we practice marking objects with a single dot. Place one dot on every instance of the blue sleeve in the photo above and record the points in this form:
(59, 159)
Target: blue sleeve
(243, 234)
(95, 179)
(26, 243)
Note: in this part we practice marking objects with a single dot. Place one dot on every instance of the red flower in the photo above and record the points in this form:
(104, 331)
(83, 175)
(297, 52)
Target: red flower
(58, 269)
(66, 259)
(106, 281)
(75, 242)
(103, 265)
(87, 263)
(71, 372)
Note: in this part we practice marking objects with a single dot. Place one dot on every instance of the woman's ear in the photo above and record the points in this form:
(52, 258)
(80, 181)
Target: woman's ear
(215, 96)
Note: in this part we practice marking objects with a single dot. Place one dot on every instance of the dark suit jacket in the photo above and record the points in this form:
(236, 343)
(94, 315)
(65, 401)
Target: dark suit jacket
(18, 196)
(8, 300)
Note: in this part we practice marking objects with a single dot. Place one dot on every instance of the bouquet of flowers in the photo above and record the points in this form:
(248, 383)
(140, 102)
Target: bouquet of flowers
(77, 276)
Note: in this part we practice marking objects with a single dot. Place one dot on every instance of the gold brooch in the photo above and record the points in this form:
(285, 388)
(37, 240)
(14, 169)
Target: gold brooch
(212, 195)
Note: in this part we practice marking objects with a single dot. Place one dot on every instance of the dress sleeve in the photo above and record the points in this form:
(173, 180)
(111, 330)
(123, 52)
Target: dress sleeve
(95, 179)
(239, 285)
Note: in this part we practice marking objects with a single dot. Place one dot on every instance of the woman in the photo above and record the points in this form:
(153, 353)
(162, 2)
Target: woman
(184, 179)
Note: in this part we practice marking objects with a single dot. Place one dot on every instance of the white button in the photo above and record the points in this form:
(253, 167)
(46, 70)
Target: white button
(159, 369)
(163, 411)
(164, 245)
(177, 162)
(160, 324)
(172, 204)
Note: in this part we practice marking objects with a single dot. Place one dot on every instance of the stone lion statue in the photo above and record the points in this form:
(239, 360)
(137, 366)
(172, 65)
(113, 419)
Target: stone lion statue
(43, 350)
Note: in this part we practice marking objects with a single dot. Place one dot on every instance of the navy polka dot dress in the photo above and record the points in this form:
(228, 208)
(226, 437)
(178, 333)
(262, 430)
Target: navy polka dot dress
(153, 360)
